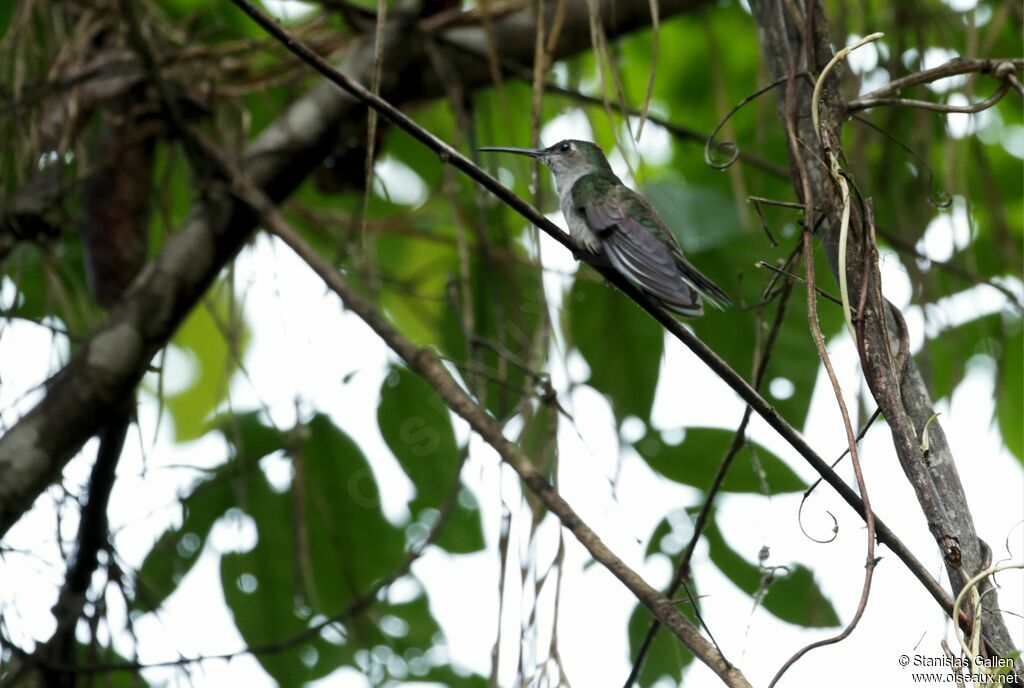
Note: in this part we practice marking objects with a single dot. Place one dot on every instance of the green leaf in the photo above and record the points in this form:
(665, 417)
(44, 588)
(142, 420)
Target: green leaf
(506, 313)
(944, 357)
(351, 543)
(346, 544)
(213, 20)
(415, 640)
(175, 552)
(1009, 401)
(178, 548)
(321, 544)
(260, 586)
(539, 438)
(414, 292)
(415, 424)
(417, 428)
(696, 459)
(248, 436)
(792, 597)
(51, 283)
(667, 657)
(622, 345)
(437, 118)
(701, 217)
(204, 335)
(6, 10)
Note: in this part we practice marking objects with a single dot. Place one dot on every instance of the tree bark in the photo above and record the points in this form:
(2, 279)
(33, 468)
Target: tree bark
(794, 46)
(105, 370)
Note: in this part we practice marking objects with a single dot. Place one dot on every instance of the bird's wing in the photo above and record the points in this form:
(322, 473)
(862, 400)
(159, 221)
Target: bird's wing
(636, 252)
(691, 275)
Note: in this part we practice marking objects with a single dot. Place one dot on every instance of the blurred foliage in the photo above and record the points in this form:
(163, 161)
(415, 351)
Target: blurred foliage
(417, 428)
(320, 545)
(458, 272)
(695, 460)
(788, 592)
(621, 344)
(215, 338)
(666, 657)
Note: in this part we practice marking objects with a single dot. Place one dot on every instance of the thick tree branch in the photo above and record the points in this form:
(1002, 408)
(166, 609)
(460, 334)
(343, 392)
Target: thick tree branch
(900, 393)
(107, 367)
(115, 358)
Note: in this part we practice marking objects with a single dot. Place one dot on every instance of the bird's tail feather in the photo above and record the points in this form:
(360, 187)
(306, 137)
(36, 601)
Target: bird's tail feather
(708, 289)
(660, 280)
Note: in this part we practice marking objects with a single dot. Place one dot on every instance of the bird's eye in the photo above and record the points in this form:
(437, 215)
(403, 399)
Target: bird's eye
(565, 146)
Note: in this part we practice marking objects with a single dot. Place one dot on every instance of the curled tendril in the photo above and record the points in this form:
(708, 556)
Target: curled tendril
(1006, 543)
(726, 151)
(800, 522)
(938, 197)
(730, 150)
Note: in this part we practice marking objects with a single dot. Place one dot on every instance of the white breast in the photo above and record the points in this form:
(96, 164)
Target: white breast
(578, 227)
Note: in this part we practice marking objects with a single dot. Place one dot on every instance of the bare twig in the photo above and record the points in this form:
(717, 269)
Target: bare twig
(738, 440)
(93, 537)
(937, 197)
(676, 328)
(790, 277)
(655, 25)
(426, 364)
(355, 607)
(939, 107)
(803, 180)
(711, 147)
(952, 68)
(860, 435)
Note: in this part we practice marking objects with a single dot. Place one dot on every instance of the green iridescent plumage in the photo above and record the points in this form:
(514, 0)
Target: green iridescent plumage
(609, 218)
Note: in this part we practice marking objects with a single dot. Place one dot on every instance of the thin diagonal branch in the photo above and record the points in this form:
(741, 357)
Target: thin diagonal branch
(898, 390)
(676, 328)
(952, 68)
(107, 366)
(428, 366)
(704, 515)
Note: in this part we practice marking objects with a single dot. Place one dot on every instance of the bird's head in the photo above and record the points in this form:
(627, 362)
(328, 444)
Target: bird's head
(568, 158)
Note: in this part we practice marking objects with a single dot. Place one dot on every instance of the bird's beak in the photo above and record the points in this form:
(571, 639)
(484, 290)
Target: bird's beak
(531, 152)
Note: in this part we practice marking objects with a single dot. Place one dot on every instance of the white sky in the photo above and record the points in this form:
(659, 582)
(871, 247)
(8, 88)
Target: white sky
(296, 365)
(295, 354)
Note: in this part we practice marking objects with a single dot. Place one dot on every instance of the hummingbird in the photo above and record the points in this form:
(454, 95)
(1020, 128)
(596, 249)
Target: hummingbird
(609, 219)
